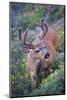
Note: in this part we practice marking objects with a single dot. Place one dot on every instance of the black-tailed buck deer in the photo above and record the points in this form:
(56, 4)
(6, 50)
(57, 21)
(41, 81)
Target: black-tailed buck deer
(43, 52)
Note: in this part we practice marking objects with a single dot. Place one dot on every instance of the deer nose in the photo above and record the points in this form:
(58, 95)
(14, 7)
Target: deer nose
(46, 55)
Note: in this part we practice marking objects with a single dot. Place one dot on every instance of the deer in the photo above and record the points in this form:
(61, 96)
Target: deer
(42, 53)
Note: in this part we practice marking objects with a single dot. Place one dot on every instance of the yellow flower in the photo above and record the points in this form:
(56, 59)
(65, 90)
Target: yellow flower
(14, 50)
(23, 61)
(61, 66)
(21, 77)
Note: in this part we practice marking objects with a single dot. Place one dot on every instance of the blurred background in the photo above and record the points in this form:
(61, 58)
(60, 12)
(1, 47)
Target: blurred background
(27, 15)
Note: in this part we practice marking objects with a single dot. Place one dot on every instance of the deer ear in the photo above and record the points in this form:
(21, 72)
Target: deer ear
(25, 50)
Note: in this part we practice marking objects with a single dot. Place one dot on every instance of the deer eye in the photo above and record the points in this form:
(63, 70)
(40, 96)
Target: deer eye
(37, 51)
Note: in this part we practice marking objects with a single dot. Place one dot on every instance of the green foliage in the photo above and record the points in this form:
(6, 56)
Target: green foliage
(59, 62)
(57, 13)
(61, 49)
(52, 85)
(20, 81)
(29, 20)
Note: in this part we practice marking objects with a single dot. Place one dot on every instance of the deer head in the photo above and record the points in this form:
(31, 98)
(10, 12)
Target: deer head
(39, 49)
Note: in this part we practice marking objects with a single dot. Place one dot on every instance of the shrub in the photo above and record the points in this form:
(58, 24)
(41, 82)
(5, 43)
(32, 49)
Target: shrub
(19, 78)
(56, 14)
(52, 85)
(59, 62)
(26, 20)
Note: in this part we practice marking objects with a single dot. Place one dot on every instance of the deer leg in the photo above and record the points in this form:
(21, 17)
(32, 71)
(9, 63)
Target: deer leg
(33, 80)
(45, 72)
